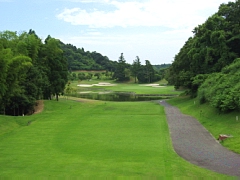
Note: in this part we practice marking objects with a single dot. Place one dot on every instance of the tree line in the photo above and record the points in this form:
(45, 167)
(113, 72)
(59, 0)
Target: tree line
(119, 70)
(79, 59)
(141, 73)
(207, 63)
(122, 71)
(30, 70)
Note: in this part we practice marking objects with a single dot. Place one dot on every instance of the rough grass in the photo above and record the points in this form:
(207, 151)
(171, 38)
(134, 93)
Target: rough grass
(93, 139)
(217, 123)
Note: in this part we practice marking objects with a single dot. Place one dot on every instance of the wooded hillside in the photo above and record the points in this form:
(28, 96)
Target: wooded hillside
(207, 63)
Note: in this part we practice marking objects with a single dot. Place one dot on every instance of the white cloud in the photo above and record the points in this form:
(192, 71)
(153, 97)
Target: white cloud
(173, 14)
(158, 48)
(177, 17)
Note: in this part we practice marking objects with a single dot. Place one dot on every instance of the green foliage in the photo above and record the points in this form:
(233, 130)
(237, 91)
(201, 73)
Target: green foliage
(121, 73)
(221, 90)
(57, 65)
(214, 45)
(206, 64)
(146, 73)
(136, 67)
(30, 70)
(161, 66)
(78, 59)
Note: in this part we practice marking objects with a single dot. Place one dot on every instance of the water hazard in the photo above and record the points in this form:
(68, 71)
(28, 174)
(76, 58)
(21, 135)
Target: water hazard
(121, 96)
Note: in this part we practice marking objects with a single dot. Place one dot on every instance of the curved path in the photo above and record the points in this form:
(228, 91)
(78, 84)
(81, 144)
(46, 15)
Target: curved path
(195, 144)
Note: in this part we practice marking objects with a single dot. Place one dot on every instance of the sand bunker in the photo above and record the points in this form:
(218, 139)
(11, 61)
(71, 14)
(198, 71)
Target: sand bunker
(99, 84)
(107, 92)
(158, 86)
(153, 85)
(150, 85)
(85, 85)
(104, 84)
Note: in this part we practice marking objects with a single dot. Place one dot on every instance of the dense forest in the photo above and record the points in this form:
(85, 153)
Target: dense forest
(208, 63)
(78, 59)
(33, 69)
(30, 70)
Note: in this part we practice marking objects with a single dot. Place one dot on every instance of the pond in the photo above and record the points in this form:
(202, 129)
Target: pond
(122, 96)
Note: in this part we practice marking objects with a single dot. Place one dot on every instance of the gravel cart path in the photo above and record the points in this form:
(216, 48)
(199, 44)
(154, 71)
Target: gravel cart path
(195, 144)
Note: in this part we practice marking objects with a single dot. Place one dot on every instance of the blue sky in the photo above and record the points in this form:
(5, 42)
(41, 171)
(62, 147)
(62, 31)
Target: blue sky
(154, 30)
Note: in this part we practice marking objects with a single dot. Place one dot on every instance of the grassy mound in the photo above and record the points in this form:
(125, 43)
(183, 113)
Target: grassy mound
(97, 139)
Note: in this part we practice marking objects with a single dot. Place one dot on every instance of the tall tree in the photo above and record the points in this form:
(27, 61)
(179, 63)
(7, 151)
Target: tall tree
(149, 71)
(121, 74)
(57, 65)
(146, 73)
(136, 66)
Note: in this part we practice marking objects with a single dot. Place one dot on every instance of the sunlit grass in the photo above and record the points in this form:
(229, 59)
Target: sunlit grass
(127, 87)
(97, 139)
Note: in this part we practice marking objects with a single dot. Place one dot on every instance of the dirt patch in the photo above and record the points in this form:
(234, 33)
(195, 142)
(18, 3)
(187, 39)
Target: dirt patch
(39, 107)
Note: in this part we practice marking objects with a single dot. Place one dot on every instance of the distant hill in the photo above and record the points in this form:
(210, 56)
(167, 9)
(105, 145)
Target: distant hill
(78, 59)
(162, 66)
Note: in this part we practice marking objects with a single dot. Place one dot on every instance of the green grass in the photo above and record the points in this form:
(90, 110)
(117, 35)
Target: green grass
(92, 139)
(141, 89)
(128, 87)
(210, 118)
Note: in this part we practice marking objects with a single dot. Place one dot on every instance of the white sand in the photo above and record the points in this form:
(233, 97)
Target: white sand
(153, 85)
(104, 92)
(158, 86)
(99, 84)
(85, 85)
(150, 85)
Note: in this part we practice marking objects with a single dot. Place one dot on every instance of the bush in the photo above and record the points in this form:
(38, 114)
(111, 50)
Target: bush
(221, 90)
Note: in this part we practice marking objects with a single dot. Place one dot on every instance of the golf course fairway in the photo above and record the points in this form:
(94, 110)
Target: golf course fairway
(92, 139)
